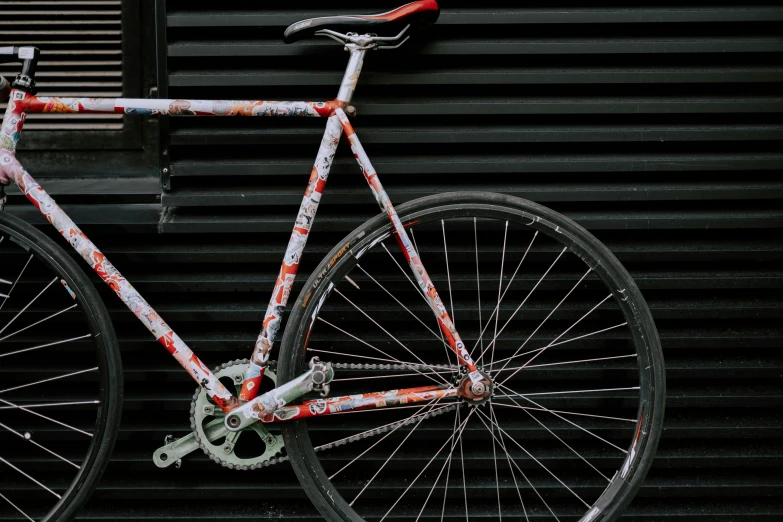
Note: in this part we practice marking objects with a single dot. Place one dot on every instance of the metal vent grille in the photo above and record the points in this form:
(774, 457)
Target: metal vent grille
(81, 54)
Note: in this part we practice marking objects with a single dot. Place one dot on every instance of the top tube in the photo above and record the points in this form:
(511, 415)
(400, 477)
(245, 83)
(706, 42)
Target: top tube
(175, 107)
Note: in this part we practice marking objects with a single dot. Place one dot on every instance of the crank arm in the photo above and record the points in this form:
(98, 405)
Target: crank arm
(172, 452)
(317, 378)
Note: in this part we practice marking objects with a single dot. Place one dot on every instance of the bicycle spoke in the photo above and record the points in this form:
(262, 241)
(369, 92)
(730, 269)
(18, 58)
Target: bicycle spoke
(511, 459)
(502, 431)
(495, 460)
(559, 417)
(22, 408)
(28, 437)
(492, 343)
(418, 290)
(27, 306)
(399, 423)
(500, 287)
(633, 421)
(497, 307)
(566, 392)
(566, 445)
(448, 272)
(15, 282)
(39, 322)
(462, 463)
(442, 468)
(388, 459)
(421, 293)
(50, 379)
(49, 405)
(384, 330)
(510, 468)
(87, 336)
(478, 286)
(462, 426)
(558, 337)
(561, 342)
(28, 476)
(381, 351)
(570, 362)
(440, 338)
(551, 313)
(16, 508)
(448, 469)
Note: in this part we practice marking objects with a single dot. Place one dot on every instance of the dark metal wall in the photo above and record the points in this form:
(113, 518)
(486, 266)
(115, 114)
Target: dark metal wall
(657, 127)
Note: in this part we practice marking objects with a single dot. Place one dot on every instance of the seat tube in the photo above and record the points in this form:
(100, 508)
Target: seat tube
(420, 273)
(304, 220)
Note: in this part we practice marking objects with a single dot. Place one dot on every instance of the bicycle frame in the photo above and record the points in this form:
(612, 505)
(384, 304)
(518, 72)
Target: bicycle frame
(271, 406)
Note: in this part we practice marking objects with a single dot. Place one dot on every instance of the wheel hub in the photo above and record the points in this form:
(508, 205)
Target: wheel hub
(475, 388)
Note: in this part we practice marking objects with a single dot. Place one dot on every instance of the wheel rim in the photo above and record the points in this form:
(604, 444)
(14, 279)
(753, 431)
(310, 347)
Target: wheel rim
(54, 391)
(552, 439)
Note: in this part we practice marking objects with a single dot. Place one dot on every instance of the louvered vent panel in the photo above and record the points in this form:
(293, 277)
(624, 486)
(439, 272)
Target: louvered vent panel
(81, 54)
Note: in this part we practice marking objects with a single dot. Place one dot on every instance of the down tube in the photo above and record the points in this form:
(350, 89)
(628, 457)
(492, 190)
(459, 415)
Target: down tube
(422, 278)
(12, 170)
(293, 255)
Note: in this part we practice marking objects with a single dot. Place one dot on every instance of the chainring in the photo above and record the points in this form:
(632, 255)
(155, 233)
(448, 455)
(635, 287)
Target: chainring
(206, 417)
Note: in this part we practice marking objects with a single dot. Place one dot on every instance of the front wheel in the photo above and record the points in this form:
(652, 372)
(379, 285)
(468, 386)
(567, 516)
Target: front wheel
(575, 411)
(60, 379)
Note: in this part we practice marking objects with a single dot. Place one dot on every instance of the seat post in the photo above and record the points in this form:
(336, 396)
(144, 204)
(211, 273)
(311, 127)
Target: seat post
(352, 72)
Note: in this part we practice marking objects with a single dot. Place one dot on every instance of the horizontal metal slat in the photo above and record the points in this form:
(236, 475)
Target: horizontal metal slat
(629, 191)
(199, 135)
(181, 222)
(228, 77)
(507, 163)
(502, 15)
(504, 46)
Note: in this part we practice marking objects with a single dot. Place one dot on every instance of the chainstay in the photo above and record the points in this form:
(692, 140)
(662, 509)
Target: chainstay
(355, 438)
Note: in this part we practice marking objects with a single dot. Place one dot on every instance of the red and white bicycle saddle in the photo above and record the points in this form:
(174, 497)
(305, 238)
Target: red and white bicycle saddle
(419, 15)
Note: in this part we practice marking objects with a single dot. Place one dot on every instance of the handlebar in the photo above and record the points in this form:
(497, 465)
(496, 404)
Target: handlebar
(5, 90)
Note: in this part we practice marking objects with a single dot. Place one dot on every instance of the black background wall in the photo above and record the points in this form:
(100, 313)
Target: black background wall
(656, 127)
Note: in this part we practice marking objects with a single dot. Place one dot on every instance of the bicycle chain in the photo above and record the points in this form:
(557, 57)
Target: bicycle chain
(344, 366)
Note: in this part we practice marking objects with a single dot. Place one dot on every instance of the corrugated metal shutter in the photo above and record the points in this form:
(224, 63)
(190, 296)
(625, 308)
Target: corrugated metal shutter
(81, 44)
(657, 127)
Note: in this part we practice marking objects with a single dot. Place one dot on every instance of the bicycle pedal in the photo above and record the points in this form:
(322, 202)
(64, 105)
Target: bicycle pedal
(173, 451)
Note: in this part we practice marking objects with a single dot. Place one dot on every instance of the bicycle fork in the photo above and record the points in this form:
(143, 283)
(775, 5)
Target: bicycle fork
(265, 405)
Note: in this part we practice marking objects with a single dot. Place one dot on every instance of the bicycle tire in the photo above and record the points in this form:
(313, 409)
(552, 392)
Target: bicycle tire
(344, 257)
(53, 258)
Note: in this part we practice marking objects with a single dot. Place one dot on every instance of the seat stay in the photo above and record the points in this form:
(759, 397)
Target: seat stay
(411, 256)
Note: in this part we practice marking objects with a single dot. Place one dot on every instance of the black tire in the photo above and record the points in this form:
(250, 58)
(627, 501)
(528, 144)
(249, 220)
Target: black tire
(99, 347)
(627, 298)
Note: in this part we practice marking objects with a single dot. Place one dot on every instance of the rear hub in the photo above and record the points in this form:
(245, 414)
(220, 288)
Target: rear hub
(475, 388)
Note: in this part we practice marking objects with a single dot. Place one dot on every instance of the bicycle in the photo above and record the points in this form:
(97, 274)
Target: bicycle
(458, 401)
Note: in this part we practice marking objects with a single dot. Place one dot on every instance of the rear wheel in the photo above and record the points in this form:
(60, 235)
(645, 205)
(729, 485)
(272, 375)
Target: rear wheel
(546, 311)
(60, 378)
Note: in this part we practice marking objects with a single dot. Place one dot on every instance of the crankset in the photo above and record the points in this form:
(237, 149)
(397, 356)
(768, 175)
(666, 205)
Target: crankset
(259, 447)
